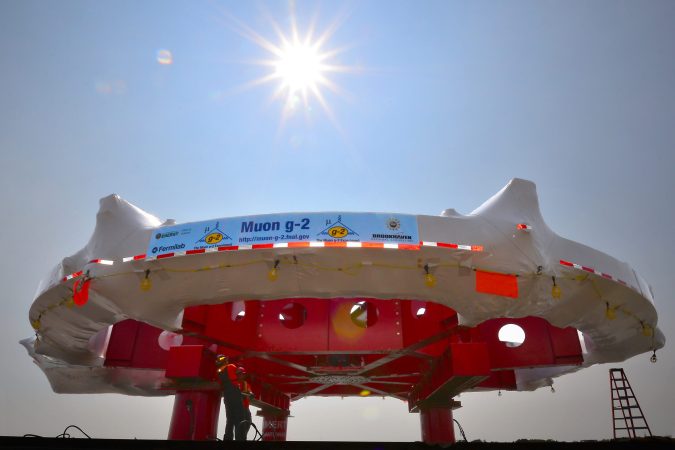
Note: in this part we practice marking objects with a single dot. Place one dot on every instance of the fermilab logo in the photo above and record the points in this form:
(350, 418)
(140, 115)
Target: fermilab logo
(170, 248)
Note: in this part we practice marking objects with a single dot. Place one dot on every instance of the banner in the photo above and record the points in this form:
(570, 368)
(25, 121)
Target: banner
(277, 228)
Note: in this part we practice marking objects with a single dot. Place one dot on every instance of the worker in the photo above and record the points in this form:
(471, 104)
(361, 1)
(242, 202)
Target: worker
(246, 395)
(235, 413)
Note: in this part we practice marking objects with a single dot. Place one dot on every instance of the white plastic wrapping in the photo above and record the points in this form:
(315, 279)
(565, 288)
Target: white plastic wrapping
(65, 353)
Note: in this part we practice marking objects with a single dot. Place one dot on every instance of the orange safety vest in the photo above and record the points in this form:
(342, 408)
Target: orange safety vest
(231, 372)
(245, 389)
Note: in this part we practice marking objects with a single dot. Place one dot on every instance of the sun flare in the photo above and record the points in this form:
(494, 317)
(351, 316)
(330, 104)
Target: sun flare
(301, 66)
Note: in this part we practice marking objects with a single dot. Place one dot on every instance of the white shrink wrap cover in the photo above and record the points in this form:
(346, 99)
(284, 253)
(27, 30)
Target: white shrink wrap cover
(65, 351)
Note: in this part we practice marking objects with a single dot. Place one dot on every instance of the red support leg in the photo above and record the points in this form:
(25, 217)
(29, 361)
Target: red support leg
(195, 416)
(437, 426)
(274, 426)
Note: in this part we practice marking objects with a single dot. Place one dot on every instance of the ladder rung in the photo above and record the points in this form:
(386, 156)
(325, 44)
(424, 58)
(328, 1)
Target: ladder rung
(624, 400)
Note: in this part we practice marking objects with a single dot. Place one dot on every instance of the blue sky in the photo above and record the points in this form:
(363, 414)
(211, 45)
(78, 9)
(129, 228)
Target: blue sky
(446, 102)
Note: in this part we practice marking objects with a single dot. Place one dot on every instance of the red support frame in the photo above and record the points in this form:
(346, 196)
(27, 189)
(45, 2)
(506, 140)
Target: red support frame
(195, 416)
(292, 348)
(460, 368)
(437, 426)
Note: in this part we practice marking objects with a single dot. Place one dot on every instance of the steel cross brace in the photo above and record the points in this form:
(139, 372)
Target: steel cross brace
(459, 368)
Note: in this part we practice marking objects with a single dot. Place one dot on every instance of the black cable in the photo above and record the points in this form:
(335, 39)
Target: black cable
(461, 430)
(258, 435)
(64, 434)
(78, 428)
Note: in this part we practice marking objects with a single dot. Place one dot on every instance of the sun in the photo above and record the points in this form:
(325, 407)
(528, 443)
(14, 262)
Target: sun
(299, 68)
(300, 64)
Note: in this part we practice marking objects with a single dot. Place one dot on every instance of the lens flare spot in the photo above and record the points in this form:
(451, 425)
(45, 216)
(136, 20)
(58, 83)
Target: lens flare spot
(164, 57)
(114, 87)
(293, 102)
(342, 323)
(103, 87)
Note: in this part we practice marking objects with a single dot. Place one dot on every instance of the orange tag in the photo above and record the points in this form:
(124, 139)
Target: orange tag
(497, 284)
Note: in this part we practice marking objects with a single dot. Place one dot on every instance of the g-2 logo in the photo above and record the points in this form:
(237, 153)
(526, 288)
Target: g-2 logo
(213, 238)
(338, 232)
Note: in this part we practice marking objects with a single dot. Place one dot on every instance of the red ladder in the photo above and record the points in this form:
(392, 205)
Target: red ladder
(624, 400)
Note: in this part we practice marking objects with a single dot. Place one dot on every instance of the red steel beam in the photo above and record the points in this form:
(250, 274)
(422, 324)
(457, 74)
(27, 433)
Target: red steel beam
(461, 367)
(436, 426)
